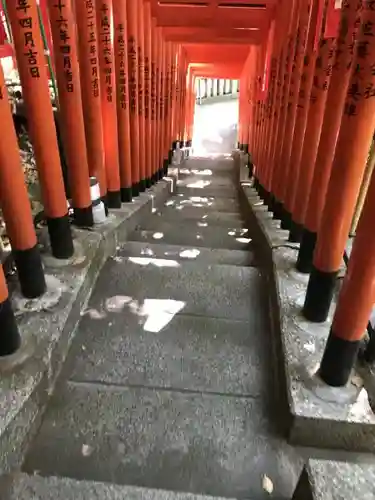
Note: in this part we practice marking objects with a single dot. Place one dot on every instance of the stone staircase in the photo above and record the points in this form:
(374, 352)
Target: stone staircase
(170, 388)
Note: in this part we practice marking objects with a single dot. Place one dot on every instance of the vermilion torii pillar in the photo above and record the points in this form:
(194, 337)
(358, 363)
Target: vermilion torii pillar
(356, 299)
(104, 11)
(86, 18)
(23, 17)
(318, 99)
(353, 144)
(70, 108)
(132, 46)
(301, 120)
(340, 73)
(122, 95)
(154, 84)
(10, 339)
(15, 205)
(148, 91)
(141, 96)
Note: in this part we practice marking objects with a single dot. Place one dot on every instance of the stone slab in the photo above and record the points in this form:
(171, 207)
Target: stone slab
(188, 253)
(25, 487)
(223, 291)
(200, 214)
(202, 201)
(330, 480)
(322, 416)
(209, 191)
(201, 219)
(50, 325)
(165, 350)
(198, 443)
(203, 234)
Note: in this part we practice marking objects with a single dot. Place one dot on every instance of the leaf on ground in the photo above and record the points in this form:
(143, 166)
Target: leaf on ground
(267, 484)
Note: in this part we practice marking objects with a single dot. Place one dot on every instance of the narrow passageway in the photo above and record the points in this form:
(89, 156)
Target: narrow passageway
(170, 381)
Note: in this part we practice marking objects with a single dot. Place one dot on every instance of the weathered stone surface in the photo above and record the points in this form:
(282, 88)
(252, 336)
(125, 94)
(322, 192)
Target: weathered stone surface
(188, 253)
(201, 234)
(165, 350)
(211, 444)
(52, 326)
(322, 416)
(205, 290)
(329, 480)
(25, 487)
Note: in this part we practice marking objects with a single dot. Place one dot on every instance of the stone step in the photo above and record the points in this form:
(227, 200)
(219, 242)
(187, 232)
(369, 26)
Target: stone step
(195, 234)
(182, 201)
(201, 214)
(26, 487)
(220, 291)
(189, 253)
(210, 444)
(209, 191)
(331, 480)
(154, 344)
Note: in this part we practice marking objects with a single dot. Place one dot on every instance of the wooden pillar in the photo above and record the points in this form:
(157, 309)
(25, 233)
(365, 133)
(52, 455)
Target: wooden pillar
(88, 44)
(15, 205)
(70, 114)
(23, 17)
(123, 99)
(104, 9)
(349, 163)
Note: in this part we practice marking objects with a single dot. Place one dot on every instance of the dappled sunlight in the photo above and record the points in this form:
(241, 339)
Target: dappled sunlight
(117, 303)
(206, 171)
(190, 253)
(160, 313)
(202, 224)
(158, 236)
(144, 261)
(199, 184)
(153, 314)
(147, 251)
(93, 313)
(243, 240)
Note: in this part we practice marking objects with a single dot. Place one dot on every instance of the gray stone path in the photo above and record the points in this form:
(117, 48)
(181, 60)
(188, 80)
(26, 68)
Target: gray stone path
(170, 383)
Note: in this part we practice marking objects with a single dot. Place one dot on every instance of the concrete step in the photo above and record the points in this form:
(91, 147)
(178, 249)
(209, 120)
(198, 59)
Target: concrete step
(195, 234)
(26, 487)
(331, 480)
(201, 214)
(189, 253)
(154, 344)
(208, 191)
(208, 444)
(229, 292)
(173, 216)
(209, 203)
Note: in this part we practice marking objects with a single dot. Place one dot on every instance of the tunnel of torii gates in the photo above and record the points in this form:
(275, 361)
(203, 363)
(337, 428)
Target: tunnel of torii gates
(125, 75)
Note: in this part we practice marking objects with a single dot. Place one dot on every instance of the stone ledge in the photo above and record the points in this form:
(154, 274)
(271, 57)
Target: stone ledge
(49, 324)
(330, 480)
(321, 416)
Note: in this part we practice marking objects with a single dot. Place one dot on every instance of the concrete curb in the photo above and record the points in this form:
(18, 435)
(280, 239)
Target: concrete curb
(320, 416)
(326, 479)
(50, 325)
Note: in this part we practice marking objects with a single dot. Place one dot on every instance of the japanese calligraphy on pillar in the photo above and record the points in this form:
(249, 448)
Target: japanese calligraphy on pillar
(132, 57)
(323, 68)
(153, 90)
(148, 91)
(362, 84)
(122, 84)
(349, 22)
(64, 43)
(166, 89)
(106, 49)
(140, 81)
(90, 19)
(26, 22)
